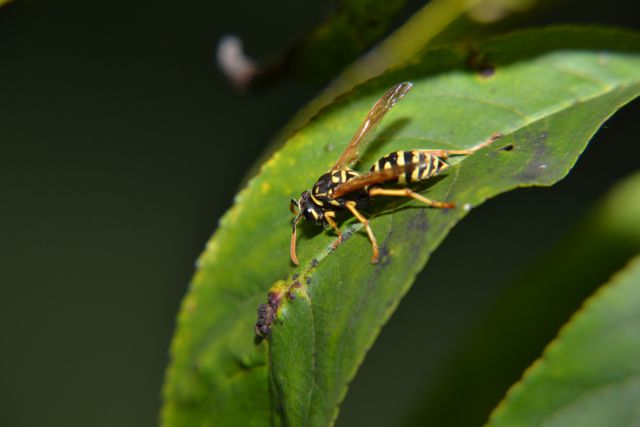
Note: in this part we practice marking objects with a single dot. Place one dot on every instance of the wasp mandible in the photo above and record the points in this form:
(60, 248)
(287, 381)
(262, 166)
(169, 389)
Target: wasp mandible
(343, 189)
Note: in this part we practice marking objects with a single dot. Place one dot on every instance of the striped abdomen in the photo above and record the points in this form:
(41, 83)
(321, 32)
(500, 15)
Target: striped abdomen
(419, 164)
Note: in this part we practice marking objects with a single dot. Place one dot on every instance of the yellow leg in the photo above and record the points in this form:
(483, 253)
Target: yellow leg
(446, 153)
(374, 244)
(333, 224)
(405, 192)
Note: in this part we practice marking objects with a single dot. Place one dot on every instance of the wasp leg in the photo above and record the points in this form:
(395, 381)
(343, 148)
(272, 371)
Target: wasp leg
(405, 192)
(332, 223)
(446, 153)
(374, 244)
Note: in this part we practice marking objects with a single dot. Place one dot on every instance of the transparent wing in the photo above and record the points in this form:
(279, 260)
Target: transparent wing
(374, 177)
(382, 106)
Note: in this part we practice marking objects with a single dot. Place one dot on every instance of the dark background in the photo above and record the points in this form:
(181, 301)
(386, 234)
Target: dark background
(120, 148)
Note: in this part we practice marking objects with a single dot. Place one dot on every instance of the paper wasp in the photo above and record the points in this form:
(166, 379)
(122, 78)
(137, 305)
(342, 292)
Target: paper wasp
(343, 189)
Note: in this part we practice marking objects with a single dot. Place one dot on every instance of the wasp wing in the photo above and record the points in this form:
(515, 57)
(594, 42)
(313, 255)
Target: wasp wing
(381, 107)
(374, 177)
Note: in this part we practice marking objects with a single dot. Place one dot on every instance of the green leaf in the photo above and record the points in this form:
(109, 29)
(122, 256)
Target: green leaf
(590, 375)
(548, 93)
(548, 105)
(481, 370)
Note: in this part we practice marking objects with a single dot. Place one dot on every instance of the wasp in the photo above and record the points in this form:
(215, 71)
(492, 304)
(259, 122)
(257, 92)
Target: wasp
(342, 189)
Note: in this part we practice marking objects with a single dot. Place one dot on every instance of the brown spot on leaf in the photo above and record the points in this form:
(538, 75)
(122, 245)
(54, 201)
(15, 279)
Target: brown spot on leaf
(478, 62)
(267, 312)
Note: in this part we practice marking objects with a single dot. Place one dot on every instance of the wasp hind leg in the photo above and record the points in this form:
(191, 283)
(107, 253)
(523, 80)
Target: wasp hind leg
(374, 243)
(444, 154)
(405, 192)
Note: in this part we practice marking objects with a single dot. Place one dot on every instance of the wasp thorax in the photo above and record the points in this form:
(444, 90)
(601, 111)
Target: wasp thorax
(311, 211)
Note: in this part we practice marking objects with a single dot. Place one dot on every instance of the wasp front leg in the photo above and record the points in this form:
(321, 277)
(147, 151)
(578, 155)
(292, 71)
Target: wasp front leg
(329, 217)
(374, 243)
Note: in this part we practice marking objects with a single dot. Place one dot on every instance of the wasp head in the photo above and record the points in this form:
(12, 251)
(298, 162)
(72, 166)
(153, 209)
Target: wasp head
(310, 210)
(303, 207)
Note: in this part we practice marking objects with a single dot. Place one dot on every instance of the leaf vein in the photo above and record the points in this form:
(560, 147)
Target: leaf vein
(507, 108)
(584, 77)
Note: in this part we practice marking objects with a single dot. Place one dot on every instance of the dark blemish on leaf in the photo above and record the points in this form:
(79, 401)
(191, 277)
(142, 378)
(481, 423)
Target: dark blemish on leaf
(291, 295)
(308, 280)
(478, 62)
(314, 263)
(487, 71)
(384, 258)
(419, 222)
(507, 147)
(537, 165)
(274, 299)
(418, 225)
(295, 276)
(267, 314)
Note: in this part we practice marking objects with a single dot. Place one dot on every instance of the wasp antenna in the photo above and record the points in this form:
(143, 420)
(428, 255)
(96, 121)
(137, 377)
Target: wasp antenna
(294, 257)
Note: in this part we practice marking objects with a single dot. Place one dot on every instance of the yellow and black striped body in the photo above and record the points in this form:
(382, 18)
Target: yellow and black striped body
(320, 202)
(426, 165)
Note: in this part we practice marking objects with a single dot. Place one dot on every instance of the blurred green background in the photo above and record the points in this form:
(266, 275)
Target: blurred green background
(121, 146)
